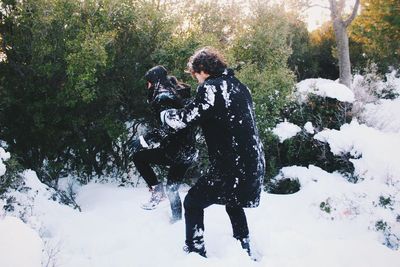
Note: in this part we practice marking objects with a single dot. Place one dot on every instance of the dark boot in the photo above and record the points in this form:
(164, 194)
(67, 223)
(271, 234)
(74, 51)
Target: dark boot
(245, 243)
(175, 201)
(198, 248)
(157, 195)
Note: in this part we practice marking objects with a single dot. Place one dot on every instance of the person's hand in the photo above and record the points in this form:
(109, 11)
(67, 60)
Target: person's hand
(149, 141)
(170, 118)
(166, 115)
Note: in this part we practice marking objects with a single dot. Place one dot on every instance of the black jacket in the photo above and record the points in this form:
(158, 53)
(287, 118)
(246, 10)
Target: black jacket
(178, 146)
(223, 107)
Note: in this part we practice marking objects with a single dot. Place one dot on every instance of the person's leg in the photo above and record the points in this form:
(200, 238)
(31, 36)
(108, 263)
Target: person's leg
(198, 198)
(142, 161)
(240, 229)
(175, 176)
(238, 221)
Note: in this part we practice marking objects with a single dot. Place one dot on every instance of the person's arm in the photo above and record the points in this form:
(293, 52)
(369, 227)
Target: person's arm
(150, 140)
(198, 109)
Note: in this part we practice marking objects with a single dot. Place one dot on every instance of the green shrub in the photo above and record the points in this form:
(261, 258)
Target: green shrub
(390, 238)
(12, 178)
(72, 78)
(303, 149)
(325, 206)
(270, 90)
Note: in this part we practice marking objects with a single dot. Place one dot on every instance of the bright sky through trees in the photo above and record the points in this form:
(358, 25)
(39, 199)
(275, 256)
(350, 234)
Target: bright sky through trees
(315, 17)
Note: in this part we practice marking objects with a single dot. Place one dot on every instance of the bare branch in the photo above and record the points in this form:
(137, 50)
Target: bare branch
(353, 14)
(317, 5)
(304, 5)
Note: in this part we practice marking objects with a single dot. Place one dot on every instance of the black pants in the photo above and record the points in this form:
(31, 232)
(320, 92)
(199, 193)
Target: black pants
(143, 159)
(199, 197)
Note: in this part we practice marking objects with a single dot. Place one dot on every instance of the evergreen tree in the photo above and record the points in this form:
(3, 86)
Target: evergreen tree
(377, 29)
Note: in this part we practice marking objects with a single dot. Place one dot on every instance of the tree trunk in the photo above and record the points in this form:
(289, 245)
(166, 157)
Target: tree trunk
(342, 41)
(341, 37)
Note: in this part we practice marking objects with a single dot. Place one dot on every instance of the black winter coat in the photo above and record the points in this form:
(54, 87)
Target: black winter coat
(223, 108)
(178, 146)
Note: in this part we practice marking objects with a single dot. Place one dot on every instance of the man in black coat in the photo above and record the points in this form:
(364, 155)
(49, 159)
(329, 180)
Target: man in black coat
(223, 108)
(176, 150)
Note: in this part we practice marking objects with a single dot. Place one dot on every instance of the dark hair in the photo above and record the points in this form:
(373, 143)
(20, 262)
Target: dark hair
(207, 59)
(156, 74)
(159, 79)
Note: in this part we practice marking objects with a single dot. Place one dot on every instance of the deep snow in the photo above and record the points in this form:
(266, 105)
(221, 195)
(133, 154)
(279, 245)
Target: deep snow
(20, 245)
(112, 230)
(289, 230)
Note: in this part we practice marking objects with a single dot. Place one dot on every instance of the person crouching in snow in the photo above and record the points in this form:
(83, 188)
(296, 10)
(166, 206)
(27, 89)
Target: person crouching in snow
(223, 108)
(176, 150)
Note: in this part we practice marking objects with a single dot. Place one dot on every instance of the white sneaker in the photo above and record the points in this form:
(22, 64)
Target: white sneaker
(157, 195)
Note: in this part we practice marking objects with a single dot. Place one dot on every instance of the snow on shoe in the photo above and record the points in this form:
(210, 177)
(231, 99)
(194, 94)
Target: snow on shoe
(157, 195)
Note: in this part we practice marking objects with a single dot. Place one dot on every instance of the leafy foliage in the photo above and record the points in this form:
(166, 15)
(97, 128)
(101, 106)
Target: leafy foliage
(264, 42)
(263, 50)
(303, 61)
(377, 29)
(72, 78)
(12, 178)
(323, 50)
(270, 90)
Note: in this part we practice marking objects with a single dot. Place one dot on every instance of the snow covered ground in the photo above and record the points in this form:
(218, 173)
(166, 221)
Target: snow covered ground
(20, 245)
(289, 230)
(330, 222)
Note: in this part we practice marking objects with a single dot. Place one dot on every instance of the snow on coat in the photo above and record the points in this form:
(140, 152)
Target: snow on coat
(223, 108)
(177, 146)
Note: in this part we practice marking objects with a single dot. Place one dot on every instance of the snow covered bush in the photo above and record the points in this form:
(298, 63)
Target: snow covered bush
(19, 189)
(351, 168)
(25, 206)
(30, 194)
(378, 171)
(383, 114)
(318, 104)
(324, 103)
(370, 203)
(366, 153)
(3, 156)
(9, 172)
(364, 87)
(372, 86)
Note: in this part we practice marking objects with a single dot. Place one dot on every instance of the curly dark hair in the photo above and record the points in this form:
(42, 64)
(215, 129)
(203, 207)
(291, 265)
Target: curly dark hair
(207, 59)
